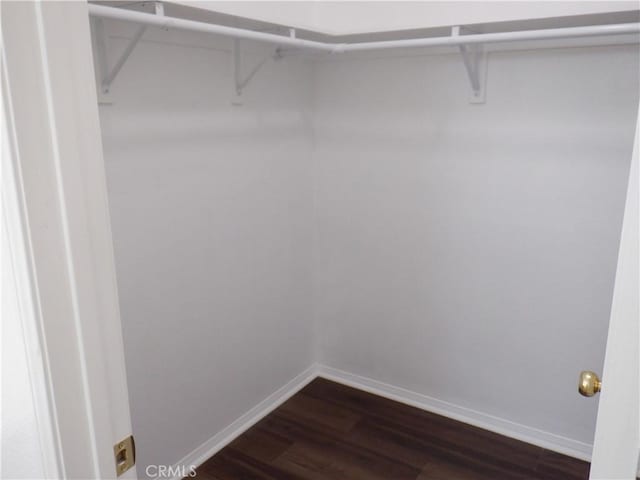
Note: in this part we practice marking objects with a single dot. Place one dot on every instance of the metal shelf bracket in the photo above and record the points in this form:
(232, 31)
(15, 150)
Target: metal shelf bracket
(474, 58)
(109, 73)
(240, 82)
(112, 73)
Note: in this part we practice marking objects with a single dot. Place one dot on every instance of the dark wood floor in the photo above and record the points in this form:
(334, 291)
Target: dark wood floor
(332, 432)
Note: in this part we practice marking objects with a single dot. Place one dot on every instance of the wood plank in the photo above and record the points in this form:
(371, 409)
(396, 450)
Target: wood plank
(467, 455)
(261, 445)
(428, 429)
(554, 466)
(320, 412)
(345, 461)
(402, 448)
(229, 464)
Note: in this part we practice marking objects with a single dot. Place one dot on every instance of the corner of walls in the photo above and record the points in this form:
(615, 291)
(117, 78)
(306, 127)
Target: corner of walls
(309, 115)
(316, 345)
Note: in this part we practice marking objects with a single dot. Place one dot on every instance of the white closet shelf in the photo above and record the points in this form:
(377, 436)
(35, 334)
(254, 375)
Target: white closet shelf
(160, 20)
(470, 45)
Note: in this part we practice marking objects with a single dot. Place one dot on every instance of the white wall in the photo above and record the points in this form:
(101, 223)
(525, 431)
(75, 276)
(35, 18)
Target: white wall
(211, 213)
(468, 252)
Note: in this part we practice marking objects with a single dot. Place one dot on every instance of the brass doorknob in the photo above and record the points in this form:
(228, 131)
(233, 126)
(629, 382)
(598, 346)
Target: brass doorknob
(589, 383)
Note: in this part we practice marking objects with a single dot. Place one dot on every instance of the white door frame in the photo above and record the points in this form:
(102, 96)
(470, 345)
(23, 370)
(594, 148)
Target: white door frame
(60, 179)
(617, 439)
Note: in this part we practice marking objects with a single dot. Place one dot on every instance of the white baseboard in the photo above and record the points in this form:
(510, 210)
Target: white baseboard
(550, 441)
(221, 439)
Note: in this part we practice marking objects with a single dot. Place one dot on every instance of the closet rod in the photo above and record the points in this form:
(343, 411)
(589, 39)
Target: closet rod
(452, 40)
(182, 24)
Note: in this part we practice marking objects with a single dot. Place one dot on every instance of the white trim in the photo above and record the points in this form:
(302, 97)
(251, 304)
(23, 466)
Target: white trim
(66, 234)
(20, 256)
(550, 441)
(221, 439)
(62, 182)
(534, 436)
